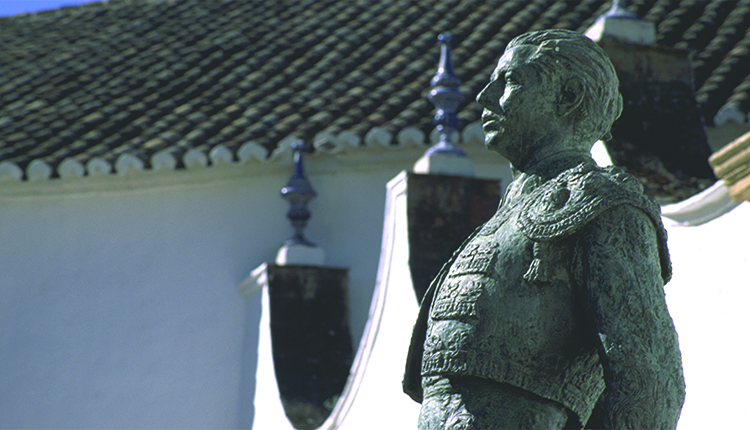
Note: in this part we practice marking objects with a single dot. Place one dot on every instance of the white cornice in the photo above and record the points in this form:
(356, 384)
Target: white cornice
(333, 152)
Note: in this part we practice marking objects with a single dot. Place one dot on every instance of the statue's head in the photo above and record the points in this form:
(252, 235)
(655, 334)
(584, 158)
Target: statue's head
(553, 87)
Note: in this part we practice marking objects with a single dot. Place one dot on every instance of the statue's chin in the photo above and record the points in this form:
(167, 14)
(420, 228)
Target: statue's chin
(492, 141)
(495, 146)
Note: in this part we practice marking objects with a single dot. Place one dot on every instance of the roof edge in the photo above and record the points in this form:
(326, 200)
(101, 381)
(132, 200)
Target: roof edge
(324, 142)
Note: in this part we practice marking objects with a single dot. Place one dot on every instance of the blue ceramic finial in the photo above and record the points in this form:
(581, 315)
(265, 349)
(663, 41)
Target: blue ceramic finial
(298, 192)
(445, 76)
(446, 96)
(620, 10)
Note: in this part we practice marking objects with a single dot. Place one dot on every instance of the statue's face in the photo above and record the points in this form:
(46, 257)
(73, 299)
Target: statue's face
(518, 106)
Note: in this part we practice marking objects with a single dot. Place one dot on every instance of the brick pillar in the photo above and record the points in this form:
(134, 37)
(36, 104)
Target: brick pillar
(442, 211)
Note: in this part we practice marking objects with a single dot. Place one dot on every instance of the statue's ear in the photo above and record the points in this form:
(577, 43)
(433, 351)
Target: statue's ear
(571, 96)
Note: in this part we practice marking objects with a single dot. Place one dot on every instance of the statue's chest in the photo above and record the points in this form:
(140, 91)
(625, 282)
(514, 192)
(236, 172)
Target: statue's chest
(500, 251)
(495, 258)
(501, 270)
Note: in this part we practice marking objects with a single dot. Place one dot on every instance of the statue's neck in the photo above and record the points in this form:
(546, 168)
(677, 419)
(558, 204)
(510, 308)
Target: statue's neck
(548, 164)
(541, 170)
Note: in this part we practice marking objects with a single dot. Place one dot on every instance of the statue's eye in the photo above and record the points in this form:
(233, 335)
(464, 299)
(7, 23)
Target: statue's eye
(512, 79)
(497, 83)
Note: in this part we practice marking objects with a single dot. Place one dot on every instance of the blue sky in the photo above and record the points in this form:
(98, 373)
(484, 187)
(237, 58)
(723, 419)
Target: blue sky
(12, 7)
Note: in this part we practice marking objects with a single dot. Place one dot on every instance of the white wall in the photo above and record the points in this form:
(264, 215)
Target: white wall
(118, 296)
(119, 304)
(119, 309)
(708, 298)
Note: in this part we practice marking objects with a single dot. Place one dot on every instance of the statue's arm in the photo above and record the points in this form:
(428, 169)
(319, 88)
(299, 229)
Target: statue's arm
(618, 270)
(412, 383)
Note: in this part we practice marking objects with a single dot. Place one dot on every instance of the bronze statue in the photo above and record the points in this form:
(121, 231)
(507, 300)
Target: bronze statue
(552, 314)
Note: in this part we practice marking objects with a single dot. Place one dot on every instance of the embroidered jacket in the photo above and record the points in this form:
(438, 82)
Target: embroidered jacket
(561, 294)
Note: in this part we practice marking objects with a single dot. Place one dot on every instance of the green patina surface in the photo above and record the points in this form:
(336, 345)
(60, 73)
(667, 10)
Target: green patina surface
(552, 314)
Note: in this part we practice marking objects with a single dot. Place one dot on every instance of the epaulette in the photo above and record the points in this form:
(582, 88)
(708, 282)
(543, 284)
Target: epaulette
(564, 205)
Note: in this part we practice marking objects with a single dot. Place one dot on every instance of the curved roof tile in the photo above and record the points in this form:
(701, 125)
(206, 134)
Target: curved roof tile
(150, 78)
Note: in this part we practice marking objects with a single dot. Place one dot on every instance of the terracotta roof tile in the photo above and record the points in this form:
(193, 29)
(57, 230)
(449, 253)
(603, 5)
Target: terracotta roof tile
(143, 76)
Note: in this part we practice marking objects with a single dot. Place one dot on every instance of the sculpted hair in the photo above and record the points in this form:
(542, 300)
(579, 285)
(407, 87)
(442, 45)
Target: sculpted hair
(562, 54)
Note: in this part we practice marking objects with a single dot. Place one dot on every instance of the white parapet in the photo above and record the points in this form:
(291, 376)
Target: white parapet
(269, 412)
(374, 383)
(707, 299)
(375, 380)
(600, 154)
(624, 30)
(708, 205)
(302, 255)
(438, 163)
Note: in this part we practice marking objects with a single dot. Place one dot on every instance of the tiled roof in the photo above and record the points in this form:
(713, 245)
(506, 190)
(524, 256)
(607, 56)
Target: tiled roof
(136, 83)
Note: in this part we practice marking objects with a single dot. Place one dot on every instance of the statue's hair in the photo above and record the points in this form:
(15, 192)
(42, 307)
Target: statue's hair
(562, 54)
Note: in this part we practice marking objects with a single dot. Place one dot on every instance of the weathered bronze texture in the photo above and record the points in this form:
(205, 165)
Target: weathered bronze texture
(552, 314)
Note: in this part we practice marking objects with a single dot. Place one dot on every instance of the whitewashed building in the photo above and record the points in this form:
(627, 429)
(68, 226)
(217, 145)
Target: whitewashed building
(143, 144)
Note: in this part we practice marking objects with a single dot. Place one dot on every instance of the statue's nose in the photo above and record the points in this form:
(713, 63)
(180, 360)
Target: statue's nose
(489, 101)
(489, 97)
(483, 96)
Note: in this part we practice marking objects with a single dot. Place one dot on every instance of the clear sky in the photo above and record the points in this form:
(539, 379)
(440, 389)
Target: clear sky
(12, 7)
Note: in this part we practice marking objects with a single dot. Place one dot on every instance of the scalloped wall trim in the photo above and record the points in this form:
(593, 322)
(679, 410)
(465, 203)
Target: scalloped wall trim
(731, 113)
(37, 170)
(10, 171)
(326, 143)
(70, 167)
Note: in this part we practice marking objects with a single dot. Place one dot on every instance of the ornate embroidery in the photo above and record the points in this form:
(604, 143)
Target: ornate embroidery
(547, 264)
(567, 203)
(457, 299)
(476, 258)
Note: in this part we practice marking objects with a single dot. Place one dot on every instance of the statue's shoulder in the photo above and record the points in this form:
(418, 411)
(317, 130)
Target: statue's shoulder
(565, 204)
